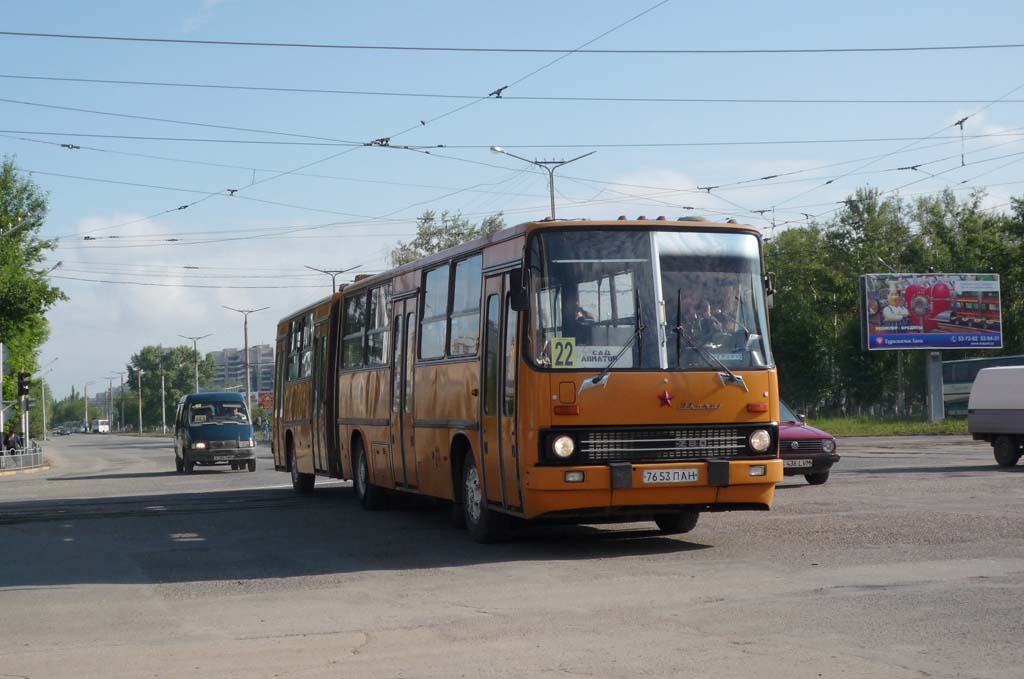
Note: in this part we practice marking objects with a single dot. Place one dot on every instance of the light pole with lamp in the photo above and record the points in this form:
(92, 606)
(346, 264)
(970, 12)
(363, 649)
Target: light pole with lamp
(140, 400)
(248, 378)
(85, 390)
(42, 387)
(120, 397)
(333, 273)
(195, 352)
(549, 165)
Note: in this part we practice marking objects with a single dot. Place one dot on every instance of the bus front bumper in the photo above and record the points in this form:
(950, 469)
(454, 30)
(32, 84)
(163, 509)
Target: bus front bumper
(624, 488)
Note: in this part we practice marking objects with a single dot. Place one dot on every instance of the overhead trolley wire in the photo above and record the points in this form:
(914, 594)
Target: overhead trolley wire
(506, 97)
(517, 50)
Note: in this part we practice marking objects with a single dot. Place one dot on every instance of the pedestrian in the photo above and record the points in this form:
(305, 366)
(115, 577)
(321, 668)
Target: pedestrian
(266, 429)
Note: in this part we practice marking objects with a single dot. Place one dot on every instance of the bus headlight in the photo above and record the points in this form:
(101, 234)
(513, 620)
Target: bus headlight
(828, 446)
(563, 446)
(199, 445)
(759, 441)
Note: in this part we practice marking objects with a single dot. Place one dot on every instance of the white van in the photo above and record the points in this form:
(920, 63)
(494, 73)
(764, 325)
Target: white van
(995, 411)
(100, 427)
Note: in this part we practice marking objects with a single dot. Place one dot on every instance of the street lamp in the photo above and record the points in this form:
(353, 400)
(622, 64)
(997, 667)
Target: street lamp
(549, 165)
(195, 351)
(85, 391)
(333, 273)
(120, 397)
(42, 387)
(248, 383)
(140, 400)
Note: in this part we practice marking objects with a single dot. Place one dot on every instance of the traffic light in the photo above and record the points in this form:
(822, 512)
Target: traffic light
(24, 383)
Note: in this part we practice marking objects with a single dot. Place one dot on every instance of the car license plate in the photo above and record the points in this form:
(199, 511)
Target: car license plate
(223, 458)
(670, 475)
(797, 463)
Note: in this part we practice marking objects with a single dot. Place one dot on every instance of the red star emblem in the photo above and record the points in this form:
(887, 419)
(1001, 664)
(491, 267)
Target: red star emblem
(665, 398)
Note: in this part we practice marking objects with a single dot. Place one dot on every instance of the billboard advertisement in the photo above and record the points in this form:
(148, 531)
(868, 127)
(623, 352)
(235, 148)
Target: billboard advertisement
(931, 311)
(266, 400)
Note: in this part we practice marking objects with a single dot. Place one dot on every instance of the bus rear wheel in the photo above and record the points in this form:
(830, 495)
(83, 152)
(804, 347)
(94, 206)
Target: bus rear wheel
(1006, 451)
(483, 524)
(370, 496)
(678, 523)
(302, 483)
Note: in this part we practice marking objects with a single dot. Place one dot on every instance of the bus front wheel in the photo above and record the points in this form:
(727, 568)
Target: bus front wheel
(483, 524)
(1006, 451)
(676, 524)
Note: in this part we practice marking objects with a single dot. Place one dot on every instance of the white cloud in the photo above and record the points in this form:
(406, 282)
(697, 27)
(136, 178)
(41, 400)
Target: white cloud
(103, 324)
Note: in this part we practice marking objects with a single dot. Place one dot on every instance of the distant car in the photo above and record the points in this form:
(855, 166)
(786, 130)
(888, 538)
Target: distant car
(804, 449)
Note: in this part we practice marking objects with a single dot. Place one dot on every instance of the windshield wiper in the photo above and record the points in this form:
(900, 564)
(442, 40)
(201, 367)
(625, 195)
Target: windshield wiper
(727, 376)
(602, 379)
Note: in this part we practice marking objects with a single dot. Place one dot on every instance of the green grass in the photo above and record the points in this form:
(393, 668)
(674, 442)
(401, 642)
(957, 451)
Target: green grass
(871, 426)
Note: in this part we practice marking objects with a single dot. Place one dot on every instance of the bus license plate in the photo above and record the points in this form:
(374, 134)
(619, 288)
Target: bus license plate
(670, 475)
(797, 463)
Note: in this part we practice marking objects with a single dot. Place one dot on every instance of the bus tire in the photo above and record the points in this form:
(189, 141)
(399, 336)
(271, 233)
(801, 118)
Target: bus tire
(678, 523)
(483, 524)
(1006, 451)
(188, 465)
(252, 465)
(371, 497)
(179, 466)
(301, 483)
(817, 478)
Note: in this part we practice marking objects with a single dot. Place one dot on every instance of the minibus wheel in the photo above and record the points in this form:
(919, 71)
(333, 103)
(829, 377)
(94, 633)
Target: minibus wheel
(483, 524)
(179, 466)
(817, 479)
(1006, 451)
(677, 523)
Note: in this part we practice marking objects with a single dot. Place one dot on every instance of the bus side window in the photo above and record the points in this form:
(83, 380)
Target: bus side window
(434, 318)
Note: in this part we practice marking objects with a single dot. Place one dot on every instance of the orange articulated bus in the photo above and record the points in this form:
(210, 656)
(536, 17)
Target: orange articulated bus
(557, 370)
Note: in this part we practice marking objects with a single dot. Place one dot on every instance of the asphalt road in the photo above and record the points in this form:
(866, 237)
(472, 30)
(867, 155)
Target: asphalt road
(909, 562)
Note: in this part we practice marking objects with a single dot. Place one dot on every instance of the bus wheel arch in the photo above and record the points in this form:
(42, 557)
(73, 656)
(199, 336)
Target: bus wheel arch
(482, 523)
(289, 449)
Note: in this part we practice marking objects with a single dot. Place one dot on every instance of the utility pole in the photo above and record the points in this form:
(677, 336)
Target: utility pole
(120, 397)
(163, 404)
(140, 400)
(85, 390)
(195, 352)
(248, 377)
(549, 165)
(333, 273)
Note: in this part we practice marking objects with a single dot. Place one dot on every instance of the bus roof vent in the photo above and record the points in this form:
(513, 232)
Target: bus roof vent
(622, 218)
(660, 218)
(692, 218)
(360, 277)
(641, 218)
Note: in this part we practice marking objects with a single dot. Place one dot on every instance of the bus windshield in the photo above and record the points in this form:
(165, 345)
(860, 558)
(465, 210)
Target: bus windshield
(693, 300)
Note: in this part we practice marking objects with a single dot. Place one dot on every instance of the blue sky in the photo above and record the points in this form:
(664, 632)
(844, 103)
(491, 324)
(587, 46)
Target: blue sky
(101, 326)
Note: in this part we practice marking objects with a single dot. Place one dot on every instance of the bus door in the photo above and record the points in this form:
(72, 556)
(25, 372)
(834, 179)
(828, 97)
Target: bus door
(403, 452)
(498, 395)
(319, 403)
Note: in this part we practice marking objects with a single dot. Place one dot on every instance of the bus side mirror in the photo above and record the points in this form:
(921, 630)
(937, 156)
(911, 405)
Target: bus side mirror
(769, 289)
(517, 289)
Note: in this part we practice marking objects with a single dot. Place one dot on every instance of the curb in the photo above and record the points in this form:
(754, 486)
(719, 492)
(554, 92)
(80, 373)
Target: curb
(33, 470)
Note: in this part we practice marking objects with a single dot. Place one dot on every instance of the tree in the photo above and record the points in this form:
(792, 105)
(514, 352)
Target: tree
(25, 290)
(176, 364)
(434, 234)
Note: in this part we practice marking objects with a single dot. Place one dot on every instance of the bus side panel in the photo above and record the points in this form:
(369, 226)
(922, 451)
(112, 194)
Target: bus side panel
(447, 405)
(298, 412)
(278, 430)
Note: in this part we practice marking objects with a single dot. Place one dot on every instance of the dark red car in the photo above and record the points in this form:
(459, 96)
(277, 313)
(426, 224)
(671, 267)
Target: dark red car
(804, 449)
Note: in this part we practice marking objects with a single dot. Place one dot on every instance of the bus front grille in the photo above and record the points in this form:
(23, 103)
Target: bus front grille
(659, 445)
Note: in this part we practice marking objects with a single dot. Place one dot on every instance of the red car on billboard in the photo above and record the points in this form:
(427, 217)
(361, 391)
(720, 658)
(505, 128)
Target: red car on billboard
(804, 449)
